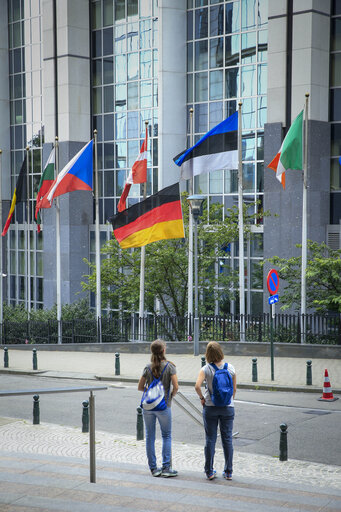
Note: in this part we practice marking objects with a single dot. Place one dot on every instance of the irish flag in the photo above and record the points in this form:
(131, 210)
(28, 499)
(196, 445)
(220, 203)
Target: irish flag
(45, 183)
(290, 155)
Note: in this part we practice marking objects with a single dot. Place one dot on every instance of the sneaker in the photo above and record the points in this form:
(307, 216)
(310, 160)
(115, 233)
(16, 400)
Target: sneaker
(168, 472)
(211, 476)
(156, 471)
(227, 476)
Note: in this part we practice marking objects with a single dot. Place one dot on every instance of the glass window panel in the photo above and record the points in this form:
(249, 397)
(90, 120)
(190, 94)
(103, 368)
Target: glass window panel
(16, 34)
(13, 262)
(216, 85)
(231, 181)
(145, 8)
(97, 43)
(335, 105)
(108, 156)
(155, 32)
(108, 41)
(120, 125)
(97, 124)
(155, 94)
(109, 181)
(260, 147)
(230, 108)
(146, 64)
(120, 68)
(133, 66)
(21, 262)
(262, 111)
(248, 114)
(201, 118)
(109, 127)
(97, 100)
(155, 63)
(100, 155)
(335, 208)
(120, 43)
(133, 37)
(189, 25)
(248, 146)
(155, 123)
(201, 87)
(248, 81)
(200, 3)
(335, 176)
(39, 264)
(121, 154)
(108, 70)
(248, 47)
(146, 94)
(260, 177)
(262, 45)
(108, 12)
(336, 69)
(262, 12)
(133, 99)
(108, 99)
(256, 271)
(19, 139)
(133, 151)
(40, 287)
(190, 88)
(336, 139)
(231, 50)
(201, 55)
(248, 177)
(215, 182)
(120, 97)
(217, 20)
(335, 42)
(231, 82)
(17, 61)
(190, 57)
(262, 78)
(248, 14)
(132, 8)
(217, 53)
(120, 10)
(232, 17)
(16, 9)
(133, 126)
(201, 23)
(96, 15)
(97, 72)
(256, 245)
(201, 184)
(145, 34)
(216, 113)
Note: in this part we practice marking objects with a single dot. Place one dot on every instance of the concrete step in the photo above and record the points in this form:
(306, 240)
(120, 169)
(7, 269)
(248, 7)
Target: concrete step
(46, 483)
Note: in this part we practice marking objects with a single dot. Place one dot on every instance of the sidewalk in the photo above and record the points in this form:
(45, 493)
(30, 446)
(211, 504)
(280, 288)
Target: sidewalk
(289, 373)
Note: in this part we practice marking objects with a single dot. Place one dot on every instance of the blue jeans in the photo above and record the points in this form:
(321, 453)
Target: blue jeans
(224, 417)
(165, 422)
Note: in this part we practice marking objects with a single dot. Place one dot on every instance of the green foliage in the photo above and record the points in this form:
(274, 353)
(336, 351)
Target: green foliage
(77, 310)
(323, 278)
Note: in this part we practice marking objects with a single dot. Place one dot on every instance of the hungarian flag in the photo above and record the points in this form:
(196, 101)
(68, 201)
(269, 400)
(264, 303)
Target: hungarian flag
(138, 173)
(159, 217)
(45, 183)
(19, 195)
(290, 155)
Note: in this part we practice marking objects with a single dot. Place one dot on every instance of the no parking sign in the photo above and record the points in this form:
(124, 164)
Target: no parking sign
(272, 281)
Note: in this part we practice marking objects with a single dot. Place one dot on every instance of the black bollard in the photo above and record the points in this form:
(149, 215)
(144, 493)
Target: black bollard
(283, 442)
(34, 359)
(117, 364)
(254, 370)
(309, 373)
(85, 416)
(139, 425)
(203, 361)
(36, 411)
(5, 357)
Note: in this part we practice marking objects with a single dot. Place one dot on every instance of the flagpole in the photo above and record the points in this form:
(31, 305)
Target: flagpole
(241, 227)
(98, 252)
(1, 260)
(28, 241)
(142, 272)
(190, 239)
(304, 226)
(58, 250)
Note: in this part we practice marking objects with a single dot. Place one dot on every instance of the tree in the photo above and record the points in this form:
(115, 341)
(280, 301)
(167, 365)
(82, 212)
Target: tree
(166, 267)
(323, 278)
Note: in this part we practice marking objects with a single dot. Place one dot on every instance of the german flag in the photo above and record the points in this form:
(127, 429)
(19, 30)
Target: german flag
(159, 217)
(19, 195)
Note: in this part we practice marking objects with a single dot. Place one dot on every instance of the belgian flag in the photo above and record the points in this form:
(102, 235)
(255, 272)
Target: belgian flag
(159, 217)
(19, 195)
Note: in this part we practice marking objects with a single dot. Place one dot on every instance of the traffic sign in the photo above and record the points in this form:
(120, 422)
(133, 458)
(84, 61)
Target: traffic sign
(273, 299)
(272, 281)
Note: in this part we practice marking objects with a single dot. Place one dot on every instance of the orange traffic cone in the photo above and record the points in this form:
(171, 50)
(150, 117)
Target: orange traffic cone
(327, 389)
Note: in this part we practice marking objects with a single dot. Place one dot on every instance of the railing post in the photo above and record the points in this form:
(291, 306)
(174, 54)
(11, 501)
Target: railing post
(5, 357)
(254, 370)
(309, 373)
(283, 442)
(203, 361)
(117, 364)
(85, 416)
(92, 448)
(34, 359)
(139, 425)
(36, 410)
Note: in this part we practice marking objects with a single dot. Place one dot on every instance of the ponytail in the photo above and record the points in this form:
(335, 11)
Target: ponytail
(157, 349)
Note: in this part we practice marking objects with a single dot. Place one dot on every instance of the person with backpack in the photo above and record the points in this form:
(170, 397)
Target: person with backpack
(159, 384)
(218, 406)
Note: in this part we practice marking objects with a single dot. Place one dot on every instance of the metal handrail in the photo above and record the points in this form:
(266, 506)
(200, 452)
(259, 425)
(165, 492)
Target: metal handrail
(92, 450)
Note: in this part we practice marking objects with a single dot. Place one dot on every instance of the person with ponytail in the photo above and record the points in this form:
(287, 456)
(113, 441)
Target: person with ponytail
(159, 367)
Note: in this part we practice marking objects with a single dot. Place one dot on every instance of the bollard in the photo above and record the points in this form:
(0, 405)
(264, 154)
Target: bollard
(309, 373)
(36, 412)
(34, 359)
(117, 364)
(283, 442)
(5, 357)
(203, 361)
(254, 370)
(85, 416)
(139, 425)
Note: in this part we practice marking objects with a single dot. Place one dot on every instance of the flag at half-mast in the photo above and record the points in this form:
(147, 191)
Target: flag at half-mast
(76, 175)
(138, 173)
(19, 194)
(290, 155)
(159, 217)
(45, 183)
(217, 149)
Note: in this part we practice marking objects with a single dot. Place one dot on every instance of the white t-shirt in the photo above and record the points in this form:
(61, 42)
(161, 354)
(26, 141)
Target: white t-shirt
(209, 374)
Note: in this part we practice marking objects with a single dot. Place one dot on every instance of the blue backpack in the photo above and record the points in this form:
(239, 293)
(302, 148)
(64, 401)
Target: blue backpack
(153, 398)
(222, 386)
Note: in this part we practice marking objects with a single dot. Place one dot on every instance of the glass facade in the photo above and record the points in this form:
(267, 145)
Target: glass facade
(25, 83)
(124, 94)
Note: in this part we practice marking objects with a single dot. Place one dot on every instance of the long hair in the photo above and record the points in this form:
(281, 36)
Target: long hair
(157, 349)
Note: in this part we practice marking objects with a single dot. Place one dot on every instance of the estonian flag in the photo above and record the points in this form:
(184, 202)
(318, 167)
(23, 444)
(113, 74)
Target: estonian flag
(159, 217)
(217, 149)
